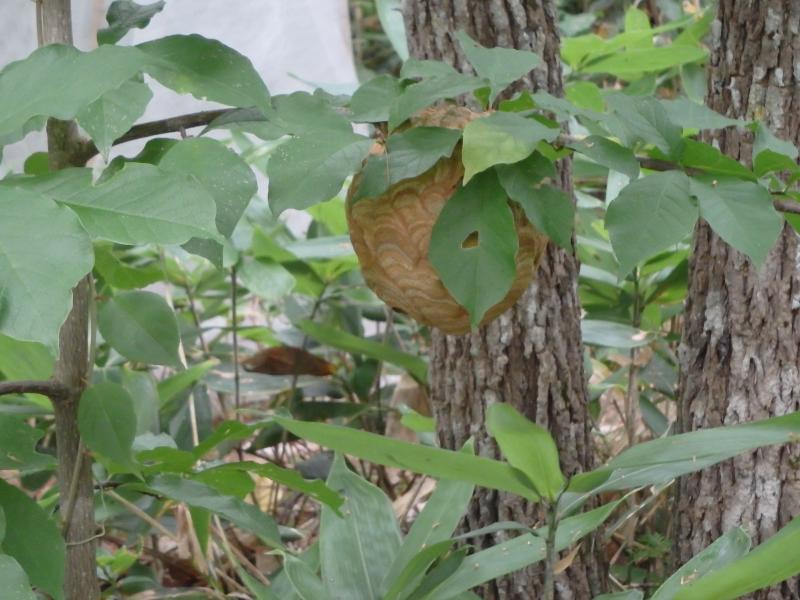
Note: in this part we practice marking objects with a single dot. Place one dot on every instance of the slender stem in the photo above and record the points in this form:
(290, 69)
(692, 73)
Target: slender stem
(550, 552)
(631, 395)
(135, 510)
(73, 490)
(235, 335)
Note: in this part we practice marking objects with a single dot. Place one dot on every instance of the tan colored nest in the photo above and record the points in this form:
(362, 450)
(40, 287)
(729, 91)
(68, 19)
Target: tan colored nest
(391, 235)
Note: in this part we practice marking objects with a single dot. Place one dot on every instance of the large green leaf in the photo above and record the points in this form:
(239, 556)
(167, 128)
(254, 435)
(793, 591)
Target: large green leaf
(438, 463)
(435, 524)
(124, 15)
(306, 583)
(696, 155)
(35, 289)
(170, 387)
(549, 209)
(358, 547)
(15, 582)
(477, 272)
(500, 138)
(142, 327)
(725, 550)
(528, 447)
(659, 461)
(643, 119)
(694, 115)
(107, 422)
(122, 276)
(519, 552)
(500, 66)
(741, 213)
(612, 335)
(771, 562)
(390, 13)
(206, 69)
(634, 61)
(303, 114)
(227, 178)
(421, 95)
(371, 102)
(609, 154)
(113, 113)
(772, 153)
(73, 79)
(409, 154)
(267, 279)
(33, 540)
(342, 340)
(142, 204)
(305, 171)
(198, 495)
(18, 446)
(650, 215)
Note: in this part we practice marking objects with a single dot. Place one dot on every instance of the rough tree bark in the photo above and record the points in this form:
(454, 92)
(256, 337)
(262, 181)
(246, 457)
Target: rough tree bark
(532, 356)
(740, 355)
(76, 493)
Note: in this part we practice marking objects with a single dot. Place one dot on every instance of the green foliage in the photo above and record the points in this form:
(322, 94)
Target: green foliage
(124, 15)
(107, 422)
(477, 273)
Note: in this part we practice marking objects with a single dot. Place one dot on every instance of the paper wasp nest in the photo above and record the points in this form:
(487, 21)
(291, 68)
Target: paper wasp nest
(391, 234)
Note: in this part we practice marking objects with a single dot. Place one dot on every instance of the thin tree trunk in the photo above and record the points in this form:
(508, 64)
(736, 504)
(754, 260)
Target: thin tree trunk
(76, 498)
(532, 356)
(740, 353)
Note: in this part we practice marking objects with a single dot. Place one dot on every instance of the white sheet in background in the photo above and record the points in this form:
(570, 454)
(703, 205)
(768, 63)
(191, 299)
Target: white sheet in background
(288, 41)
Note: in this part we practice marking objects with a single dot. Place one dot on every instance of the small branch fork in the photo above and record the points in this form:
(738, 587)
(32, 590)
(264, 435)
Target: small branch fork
(203, 118)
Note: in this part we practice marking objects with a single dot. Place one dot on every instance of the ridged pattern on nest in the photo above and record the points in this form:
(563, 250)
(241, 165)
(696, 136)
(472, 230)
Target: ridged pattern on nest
(391, 235)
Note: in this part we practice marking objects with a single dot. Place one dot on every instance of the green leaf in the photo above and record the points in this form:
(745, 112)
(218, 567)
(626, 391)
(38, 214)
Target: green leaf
(609, 154)
(438, 463)
(113, 113)
(390, 13)
(694, 115)
(420, 69)
(434, 524)
(35, 290)
(627, 595)
(772, 153)
(500, 138)
(547, 208)
(634, 61)
(585, 94)
(238, 512)
(303, 114)
(650, 215)
(119, 274)
(142, 327)
(140, 204)
(18, 446)
(124, 15)
(342, 340)
(170, 387)
(26, 360)
(371, 102)
(612, 335)
(773, 561)
(305, 171)
(705, 157)
(519, 552)
(415, 577)
(409, 154)
(741, 213)
(107, 422)
(725, 550)
(15, 582)
(643, 119)
(34, 541)
(227, 178)
(421, 95)
(527, 447)
(267, 279)
(74, 80)
(306, 583)
(356, 549)
(500, 66)
(477, 272)
(206, 69)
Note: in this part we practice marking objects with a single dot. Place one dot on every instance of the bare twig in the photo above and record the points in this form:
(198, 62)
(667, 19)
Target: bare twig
(132, 508)
(50, 388)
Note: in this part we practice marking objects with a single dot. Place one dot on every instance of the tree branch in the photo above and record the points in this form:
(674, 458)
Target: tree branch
(161, 126)
(50, 388)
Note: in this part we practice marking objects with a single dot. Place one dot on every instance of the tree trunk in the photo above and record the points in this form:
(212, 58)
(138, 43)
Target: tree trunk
(75, 485)
(740, 359)
(531, 357)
